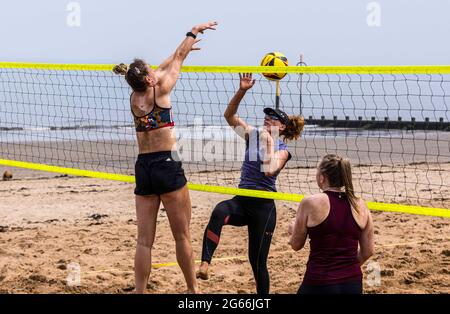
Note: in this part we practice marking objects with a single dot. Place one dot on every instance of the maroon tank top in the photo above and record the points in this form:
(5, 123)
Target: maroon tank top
(334, 245)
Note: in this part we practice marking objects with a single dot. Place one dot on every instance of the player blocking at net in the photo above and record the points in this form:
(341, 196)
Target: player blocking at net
(158, 171)
(265, 156)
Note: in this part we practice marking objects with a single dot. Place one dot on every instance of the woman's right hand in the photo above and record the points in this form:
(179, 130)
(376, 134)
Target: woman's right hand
(246, 81)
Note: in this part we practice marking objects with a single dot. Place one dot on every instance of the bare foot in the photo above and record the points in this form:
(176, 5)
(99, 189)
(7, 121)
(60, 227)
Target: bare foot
(203, 271)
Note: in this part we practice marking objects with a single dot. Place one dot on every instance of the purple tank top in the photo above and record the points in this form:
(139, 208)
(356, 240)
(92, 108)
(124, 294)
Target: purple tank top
(252, 174)
(334, 245)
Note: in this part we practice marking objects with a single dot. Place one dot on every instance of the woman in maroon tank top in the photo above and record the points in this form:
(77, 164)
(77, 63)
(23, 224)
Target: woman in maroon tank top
(336, 222)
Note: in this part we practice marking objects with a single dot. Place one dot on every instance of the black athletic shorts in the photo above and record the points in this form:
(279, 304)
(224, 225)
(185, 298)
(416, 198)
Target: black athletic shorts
(158, 173)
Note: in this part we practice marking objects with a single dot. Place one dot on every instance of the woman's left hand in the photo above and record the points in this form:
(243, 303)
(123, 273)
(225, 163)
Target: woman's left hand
(202, 27)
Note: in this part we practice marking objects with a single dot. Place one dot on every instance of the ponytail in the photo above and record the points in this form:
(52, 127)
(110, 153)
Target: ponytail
(346, 175)
(339, 173)
(293, 129)
(120, 69)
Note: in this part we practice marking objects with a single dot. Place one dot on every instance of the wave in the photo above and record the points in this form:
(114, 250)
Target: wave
(66, 128)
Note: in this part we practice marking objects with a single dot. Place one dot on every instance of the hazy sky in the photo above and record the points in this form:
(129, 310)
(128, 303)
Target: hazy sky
(327, 32)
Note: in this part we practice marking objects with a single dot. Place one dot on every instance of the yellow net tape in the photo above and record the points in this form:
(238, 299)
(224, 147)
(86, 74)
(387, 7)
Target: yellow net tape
(407, 209)
(416, 69)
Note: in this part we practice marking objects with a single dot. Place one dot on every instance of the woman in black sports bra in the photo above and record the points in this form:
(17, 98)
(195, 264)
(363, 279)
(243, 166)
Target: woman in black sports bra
(158, 171)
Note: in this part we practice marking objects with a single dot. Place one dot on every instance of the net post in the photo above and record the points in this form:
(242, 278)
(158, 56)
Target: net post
(301, 63)
(277, 97)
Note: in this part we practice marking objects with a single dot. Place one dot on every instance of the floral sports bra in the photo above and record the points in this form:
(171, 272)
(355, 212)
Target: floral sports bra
(157, 118)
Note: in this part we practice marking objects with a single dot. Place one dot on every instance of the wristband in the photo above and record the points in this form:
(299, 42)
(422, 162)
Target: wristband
(191, 34)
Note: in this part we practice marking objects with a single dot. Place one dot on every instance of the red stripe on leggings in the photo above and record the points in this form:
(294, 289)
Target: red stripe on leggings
(226, 219)
(212, 236)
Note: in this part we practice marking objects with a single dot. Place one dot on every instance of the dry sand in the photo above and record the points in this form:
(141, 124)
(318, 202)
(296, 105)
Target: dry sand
(48, 221)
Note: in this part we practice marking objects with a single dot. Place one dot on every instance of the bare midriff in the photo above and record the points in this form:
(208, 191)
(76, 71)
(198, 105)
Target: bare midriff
(158, 140)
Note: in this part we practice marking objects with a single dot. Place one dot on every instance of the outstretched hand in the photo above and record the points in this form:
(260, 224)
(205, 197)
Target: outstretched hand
(202, 27)
(246, 81)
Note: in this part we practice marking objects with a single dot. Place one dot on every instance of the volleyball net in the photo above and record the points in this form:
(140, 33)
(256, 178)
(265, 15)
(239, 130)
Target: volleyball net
(392, 122)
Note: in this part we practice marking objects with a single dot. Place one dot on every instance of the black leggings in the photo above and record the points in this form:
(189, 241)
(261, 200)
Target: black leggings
(260, 216)
(350, 287)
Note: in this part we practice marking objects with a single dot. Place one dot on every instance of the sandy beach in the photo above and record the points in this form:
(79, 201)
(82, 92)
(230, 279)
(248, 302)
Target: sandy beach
(49, 221)
(85, 93)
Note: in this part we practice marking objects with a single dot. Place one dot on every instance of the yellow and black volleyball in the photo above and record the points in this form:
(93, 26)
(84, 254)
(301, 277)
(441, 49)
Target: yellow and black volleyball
(276, 59)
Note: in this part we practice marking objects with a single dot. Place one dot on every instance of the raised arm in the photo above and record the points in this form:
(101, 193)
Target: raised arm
(239, 125)
(171, 67)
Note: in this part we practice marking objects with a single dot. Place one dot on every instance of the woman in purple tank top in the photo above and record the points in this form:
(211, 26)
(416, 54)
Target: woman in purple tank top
(336, 222)
(265, 156)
